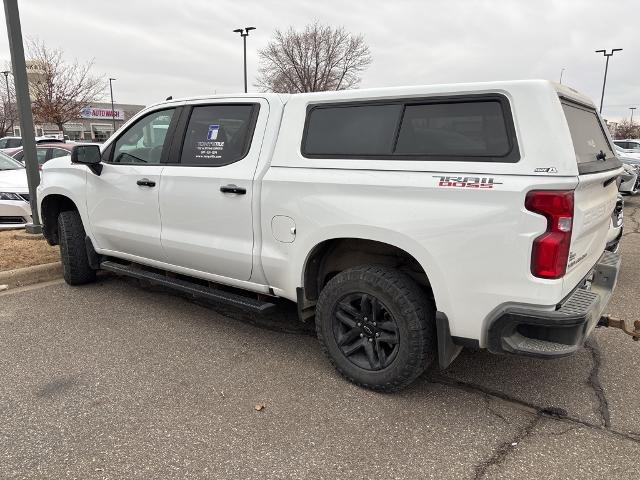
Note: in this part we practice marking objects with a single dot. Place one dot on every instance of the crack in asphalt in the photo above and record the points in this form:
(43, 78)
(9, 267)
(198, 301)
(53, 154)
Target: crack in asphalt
(554, 413)
(487, 399)
(594, 382)
(503, 450)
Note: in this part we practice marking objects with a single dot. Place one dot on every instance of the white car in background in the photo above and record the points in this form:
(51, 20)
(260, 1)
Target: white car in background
(15, 211)
(626, 152)
(628, 144)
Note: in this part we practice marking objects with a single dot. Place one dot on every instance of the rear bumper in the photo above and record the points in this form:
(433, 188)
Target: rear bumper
(560, 332)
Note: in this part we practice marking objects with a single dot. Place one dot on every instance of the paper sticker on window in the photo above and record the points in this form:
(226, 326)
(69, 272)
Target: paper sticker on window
(212, 134)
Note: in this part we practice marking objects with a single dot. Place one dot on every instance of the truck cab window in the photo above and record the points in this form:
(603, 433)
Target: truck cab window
(143, 142)
(218, 135)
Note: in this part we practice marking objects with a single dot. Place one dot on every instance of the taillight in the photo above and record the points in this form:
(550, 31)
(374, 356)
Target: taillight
(551, 249)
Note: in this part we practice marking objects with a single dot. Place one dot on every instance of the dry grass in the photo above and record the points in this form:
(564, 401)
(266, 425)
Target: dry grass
(17, 251)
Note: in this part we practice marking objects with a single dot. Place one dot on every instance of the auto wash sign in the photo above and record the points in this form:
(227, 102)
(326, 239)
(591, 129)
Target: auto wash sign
(101, 113)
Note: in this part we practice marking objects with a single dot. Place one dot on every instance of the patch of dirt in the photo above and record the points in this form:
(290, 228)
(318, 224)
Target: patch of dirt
(18, 251)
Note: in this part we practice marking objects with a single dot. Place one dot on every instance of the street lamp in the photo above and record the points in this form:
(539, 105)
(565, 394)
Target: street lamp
(244, 34)
(6, 79)
(113, 114)
(632, 109)
(23, 102)
(606, 68)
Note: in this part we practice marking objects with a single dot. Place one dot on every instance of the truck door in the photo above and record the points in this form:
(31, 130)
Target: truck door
(206, 190)
(123, 200)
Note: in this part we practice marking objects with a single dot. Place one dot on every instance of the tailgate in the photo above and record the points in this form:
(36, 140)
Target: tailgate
(596, 193)
(594, 200)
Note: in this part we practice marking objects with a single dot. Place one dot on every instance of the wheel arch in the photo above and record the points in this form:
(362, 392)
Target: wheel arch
(332, 255)
(50, 207)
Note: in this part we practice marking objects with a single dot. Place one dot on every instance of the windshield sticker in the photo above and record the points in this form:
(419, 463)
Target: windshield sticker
(466, 182)
(212, 134)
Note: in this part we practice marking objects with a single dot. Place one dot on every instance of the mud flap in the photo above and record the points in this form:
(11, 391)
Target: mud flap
(447, 350)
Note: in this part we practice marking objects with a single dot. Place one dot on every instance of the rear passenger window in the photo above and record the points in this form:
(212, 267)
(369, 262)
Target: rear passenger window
(475, 130)
(457, 129)
(352, 130)
(218, 135)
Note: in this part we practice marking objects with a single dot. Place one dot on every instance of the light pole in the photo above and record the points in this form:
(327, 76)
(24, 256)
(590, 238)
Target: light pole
(113, 113)
(632, 109)
(244, 34)
(23, 102)
(606, 68)
(561, 73)
(6, 79)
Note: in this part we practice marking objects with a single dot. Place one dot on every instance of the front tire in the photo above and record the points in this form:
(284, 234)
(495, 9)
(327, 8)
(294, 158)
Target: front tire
(377, 327)
(73, 251)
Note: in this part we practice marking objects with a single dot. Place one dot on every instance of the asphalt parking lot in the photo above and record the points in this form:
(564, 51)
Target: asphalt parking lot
(117, 381)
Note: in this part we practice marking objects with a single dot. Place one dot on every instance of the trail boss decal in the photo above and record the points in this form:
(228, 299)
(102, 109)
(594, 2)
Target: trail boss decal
(466, 182)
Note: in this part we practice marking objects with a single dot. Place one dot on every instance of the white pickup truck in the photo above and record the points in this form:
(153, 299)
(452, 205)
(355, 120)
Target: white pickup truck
(410, 222)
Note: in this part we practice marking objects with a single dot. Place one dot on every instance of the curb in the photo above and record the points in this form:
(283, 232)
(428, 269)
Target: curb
(30, 275)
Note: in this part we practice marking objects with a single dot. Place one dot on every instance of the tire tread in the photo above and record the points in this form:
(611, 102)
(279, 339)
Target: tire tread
(413, 305)
(73, 250)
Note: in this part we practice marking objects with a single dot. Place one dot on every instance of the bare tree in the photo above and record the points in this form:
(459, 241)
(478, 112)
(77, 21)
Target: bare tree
(7, 109)
(316, 59)
(5, 116)
(625, 129)
(60, 89)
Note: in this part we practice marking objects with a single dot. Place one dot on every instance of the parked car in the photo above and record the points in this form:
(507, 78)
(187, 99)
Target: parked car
(629, 179)
(10, 142)
(629, 144)
(628, 155)
(44, 151)
(15, 142)
(409, 222)
(15, 211)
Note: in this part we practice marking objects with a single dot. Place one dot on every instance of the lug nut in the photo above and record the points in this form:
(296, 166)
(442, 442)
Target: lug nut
(377, 334)
(371, 339)
(374, 324)
(365, 319)
(361, 335)
(359, 324)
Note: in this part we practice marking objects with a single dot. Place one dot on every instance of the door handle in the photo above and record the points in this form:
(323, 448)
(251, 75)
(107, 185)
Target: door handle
(145, 182)
(233, 189)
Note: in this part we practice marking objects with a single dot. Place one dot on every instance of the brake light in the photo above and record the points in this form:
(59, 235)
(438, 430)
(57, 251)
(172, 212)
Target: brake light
(550, 252)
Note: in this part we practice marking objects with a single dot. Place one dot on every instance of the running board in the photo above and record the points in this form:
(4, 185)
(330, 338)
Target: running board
(185, 286)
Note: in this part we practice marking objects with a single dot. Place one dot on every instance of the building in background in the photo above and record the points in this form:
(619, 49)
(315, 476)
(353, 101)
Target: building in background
(94, 122)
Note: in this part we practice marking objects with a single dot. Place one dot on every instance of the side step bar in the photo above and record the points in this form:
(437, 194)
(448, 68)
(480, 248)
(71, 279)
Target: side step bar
(195, 289)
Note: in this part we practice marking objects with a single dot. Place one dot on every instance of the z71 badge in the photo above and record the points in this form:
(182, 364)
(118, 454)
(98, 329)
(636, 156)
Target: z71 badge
(466, 182)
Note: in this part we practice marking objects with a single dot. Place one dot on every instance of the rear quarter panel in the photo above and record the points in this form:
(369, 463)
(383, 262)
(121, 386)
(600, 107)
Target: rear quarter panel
(473, 243)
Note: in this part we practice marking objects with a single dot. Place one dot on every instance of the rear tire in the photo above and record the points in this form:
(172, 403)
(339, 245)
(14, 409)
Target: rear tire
(377, 327)
(73, 250)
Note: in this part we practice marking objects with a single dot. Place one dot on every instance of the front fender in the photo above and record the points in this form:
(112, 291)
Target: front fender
(68, 180)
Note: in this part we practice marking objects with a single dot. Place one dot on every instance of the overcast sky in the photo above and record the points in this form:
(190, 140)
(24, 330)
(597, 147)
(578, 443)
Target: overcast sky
(166, 47)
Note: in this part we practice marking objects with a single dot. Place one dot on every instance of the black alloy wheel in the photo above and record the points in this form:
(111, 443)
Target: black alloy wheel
(365, 331)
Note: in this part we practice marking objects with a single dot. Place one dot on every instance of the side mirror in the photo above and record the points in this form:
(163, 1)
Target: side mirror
(88, 155)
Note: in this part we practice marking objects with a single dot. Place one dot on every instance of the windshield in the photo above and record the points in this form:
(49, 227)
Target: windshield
(8, 163)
